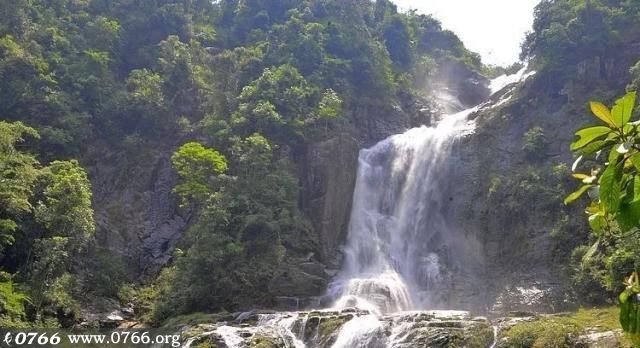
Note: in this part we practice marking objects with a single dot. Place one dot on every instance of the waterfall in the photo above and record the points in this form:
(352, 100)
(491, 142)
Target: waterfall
(400, 219)
(399, 205)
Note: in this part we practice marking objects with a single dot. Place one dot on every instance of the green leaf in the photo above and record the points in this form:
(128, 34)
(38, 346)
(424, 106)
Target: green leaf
(610, 188)
(636, 189)
(629, 216)
(625, 310)
(613, 156)
(594, 147)
(597, 222)
(602, 112)
(587, 135)
(572, 197)
(626, 104)
(635, 159)
(624, 296)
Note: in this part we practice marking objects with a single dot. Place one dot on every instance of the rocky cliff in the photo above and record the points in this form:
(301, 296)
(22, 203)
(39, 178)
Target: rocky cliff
(513, 174)
(139, 218)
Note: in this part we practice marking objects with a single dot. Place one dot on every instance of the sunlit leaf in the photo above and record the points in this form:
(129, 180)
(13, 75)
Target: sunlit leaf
(586, 179)
(624, 296)
(635, 159)
(628, 102)
(602, 112)
(593, 209)
(572, 197)
(588, 135)
(617, 113)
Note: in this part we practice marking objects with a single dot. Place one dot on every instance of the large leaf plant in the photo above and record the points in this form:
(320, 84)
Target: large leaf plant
(613, 186)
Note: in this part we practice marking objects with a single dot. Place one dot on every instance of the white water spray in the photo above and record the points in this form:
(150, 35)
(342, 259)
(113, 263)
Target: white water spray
(398, 204)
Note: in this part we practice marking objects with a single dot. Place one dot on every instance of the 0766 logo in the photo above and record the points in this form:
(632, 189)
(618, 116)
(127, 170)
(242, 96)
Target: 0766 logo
(30, 338)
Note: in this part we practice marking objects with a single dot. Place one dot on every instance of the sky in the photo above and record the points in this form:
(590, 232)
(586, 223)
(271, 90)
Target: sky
(493, 28)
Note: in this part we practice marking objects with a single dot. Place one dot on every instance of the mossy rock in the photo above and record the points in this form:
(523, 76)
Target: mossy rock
(266, 342)
(328, 326)
(563, 330)
(479, 336)
(446, 335)
(204, 342)
(539, 334)
(206, 345)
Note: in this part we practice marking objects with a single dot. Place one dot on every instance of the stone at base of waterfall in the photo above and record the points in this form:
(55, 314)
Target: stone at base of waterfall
(607, 339)
(326, 328)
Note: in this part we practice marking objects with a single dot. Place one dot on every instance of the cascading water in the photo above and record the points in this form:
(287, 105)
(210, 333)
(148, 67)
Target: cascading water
(399, 230)
(399, 205)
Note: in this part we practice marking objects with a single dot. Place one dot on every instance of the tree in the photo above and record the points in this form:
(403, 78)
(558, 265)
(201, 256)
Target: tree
(198, 168)
(276, 104)
(613, 185)
(46, 219)
(329, 109)
(398, 41)
(146, 101)
(18, 175)
(66, 215)
(534, 143)
(65, 210)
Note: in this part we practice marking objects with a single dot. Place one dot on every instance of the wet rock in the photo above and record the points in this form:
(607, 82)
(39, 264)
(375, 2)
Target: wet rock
(470, 87)
(323, 328)
(328, 172)
(294, 282)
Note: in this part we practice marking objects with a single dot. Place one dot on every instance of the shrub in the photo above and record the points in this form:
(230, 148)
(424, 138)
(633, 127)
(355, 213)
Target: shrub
(534, 143)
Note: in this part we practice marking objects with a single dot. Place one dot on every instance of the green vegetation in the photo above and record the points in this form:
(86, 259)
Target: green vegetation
(239, 89)
(561, 330)
(534, 144)
(614, 188)
(569, 33)
(235, 93)
(46, 223)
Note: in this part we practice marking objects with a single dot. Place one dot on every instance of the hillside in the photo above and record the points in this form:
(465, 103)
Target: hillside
(170, 157)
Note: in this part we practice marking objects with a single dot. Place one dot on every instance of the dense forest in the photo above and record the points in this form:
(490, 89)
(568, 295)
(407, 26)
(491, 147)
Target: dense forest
(235, 88)
(233, 105)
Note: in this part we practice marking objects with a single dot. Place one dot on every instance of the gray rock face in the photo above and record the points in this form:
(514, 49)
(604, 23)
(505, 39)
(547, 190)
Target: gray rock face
(136, 212)
(468, 86)
(510, 206)
(300, 280)
(165, 223)
(329, 174)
